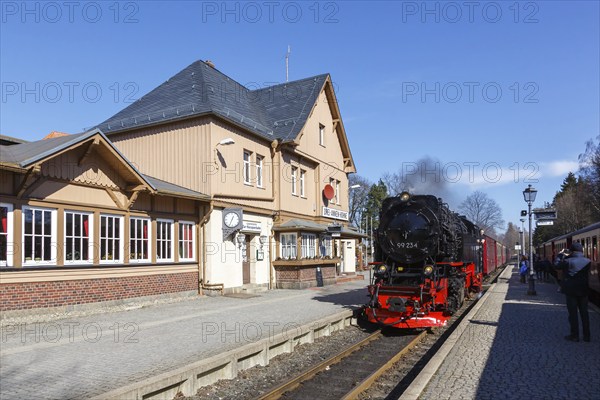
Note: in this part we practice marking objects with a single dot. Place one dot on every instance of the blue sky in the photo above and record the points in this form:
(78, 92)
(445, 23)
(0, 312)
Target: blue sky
(497, 92)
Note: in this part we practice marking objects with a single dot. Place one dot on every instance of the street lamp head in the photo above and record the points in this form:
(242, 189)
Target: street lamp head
(529, 194)
(226, 142)
(355, 186)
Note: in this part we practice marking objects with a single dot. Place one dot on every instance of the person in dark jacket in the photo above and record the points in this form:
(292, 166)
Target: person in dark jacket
(575, 286)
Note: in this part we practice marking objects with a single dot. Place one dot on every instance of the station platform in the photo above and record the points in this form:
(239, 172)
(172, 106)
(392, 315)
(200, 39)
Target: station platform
(97, 355)
(512, 346)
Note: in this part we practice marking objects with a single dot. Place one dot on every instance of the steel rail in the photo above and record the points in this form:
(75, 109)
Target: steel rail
(291, 384)
(368, 381)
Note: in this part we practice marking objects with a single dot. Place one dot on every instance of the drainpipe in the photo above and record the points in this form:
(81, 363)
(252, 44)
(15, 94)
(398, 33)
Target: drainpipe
(202, 249)
(203, 285)
(274, 181)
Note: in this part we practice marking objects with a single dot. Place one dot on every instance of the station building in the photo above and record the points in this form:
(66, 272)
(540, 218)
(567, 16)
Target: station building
(80, 224)
(202, 184)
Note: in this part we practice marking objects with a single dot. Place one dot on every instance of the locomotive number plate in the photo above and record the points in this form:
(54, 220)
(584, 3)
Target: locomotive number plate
(407, 245)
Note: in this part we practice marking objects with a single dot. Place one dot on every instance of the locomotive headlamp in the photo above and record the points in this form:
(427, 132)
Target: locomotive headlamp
(404, 196)
(428, 270)
(400, 269)
(382, 268)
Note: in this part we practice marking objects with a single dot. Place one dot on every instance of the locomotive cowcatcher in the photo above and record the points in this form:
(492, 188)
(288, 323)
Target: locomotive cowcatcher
(427, 260)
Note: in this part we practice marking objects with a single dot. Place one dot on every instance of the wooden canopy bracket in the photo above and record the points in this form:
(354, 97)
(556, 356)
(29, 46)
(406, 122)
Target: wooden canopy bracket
(114, 198)
(24, 186)
(88, 151)
(132, 198)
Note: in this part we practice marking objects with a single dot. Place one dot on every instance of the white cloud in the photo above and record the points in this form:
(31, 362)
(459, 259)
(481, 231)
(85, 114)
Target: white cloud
(558, 168)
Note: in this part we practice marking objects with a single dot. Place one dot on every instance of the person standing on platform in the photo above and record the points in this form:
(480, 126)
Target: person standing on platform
(546, 267)
(523, 268)
(575, 286)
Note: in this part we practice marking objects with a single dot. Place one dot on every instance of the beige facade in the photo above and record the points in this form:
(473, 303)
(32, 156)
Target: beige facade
(272, 180)
(79, 217)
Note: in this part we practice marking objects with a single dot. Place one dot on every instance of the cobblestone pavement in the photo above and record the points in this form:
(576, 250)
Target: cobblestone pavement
(514, 348)
(81, 357)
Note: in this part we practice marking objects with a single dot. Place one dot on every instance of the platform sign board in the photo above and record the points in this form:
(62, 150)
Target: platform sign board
(544, 223)
(545, 214)
(518, 247)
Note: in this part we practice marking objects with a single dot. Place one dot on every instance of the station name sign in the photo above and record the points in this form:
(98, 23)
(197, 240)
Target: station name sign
(254, 227)
(335, 214)
(545, 214)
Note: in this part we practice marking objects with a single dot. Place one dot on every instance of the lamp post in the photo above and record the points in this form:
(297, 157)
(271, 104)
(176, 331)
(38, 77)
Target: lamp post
(529, 195)
(522, 235)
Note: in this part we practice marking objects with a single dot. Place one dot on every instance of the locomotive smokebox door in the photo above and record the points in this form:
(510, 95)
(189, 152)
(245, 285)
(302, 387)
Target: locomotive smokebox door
(396, 304)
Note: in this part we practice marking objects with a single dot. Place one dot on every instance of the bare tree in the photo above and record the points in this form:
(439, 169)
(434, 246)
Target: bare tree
(358, 197)
(589, 168)
(483, 211)
(511, 237)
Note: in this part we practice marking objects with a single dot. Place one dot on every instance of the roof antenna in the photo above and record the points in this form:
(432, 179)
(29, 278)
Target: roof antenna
(287, 64)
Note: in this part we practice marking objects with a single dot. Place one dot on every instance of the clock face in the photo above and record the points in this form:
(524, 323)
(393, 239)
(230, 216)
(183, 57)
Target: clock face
(231, 219)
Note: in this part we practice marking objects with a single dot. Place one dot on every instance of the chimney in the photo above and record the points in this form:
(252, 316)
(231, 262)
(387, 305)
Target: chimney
(209, 63)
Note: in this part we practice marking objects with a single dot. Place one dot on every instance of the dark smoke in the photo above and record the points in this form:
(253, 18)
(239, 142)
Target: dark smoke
(425, 176)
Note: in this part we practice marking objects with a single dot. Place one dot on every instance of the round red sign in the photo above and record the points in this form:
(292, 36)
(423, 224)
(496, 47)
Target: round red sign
(328, 192)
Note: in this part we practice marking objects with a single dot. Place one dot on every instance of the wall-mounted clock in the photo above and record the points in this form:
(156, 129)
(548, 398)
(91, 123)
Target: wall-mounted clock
(231, 219)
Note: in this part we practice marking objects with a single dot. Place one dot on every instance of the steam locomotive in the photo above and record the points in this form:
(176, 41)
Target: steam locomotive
(427, 260)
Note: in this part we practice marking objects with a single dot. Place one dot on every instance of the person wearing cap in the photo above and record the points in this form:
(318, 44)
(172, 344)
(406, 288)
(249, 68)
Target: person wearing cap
(575, 286)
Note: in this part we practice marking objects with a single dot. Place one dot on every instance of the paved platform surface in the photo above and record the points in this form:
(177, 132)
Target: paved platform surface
(513, 347)
(82, 357)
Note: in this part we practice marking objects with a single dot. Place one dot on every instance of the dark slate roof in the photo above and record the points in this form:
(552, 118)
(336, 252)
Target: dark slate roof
(28, 153)
(304, 225)
(172, 189)
(301, 224)
(274, 112)
(9, 140)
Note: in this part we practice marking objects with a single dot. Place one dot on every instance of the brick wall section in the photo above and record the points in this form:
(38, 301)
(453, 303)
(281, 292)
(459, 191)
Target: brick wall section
(302, 274)
(21, 296)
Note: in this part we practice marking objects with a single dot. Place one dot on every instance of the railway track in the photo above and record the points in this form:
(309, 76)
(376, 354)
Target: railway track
(350, 372)
(355, 369)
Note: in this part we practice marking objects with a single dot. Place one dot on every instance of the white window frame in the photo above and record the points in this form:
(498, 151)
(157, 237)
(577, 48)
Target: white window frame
(332, 184)
(53, 236)
(160, 240)
(309, 245)
(183, 241)
(337, 191)
(322, 135)
(294, 179)
(259, 170)
(326, 248)
(120, 238)
(148, 239)
(246, 168)
(288, 243)
(9, 235)
(302, 181)
(90, 237)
